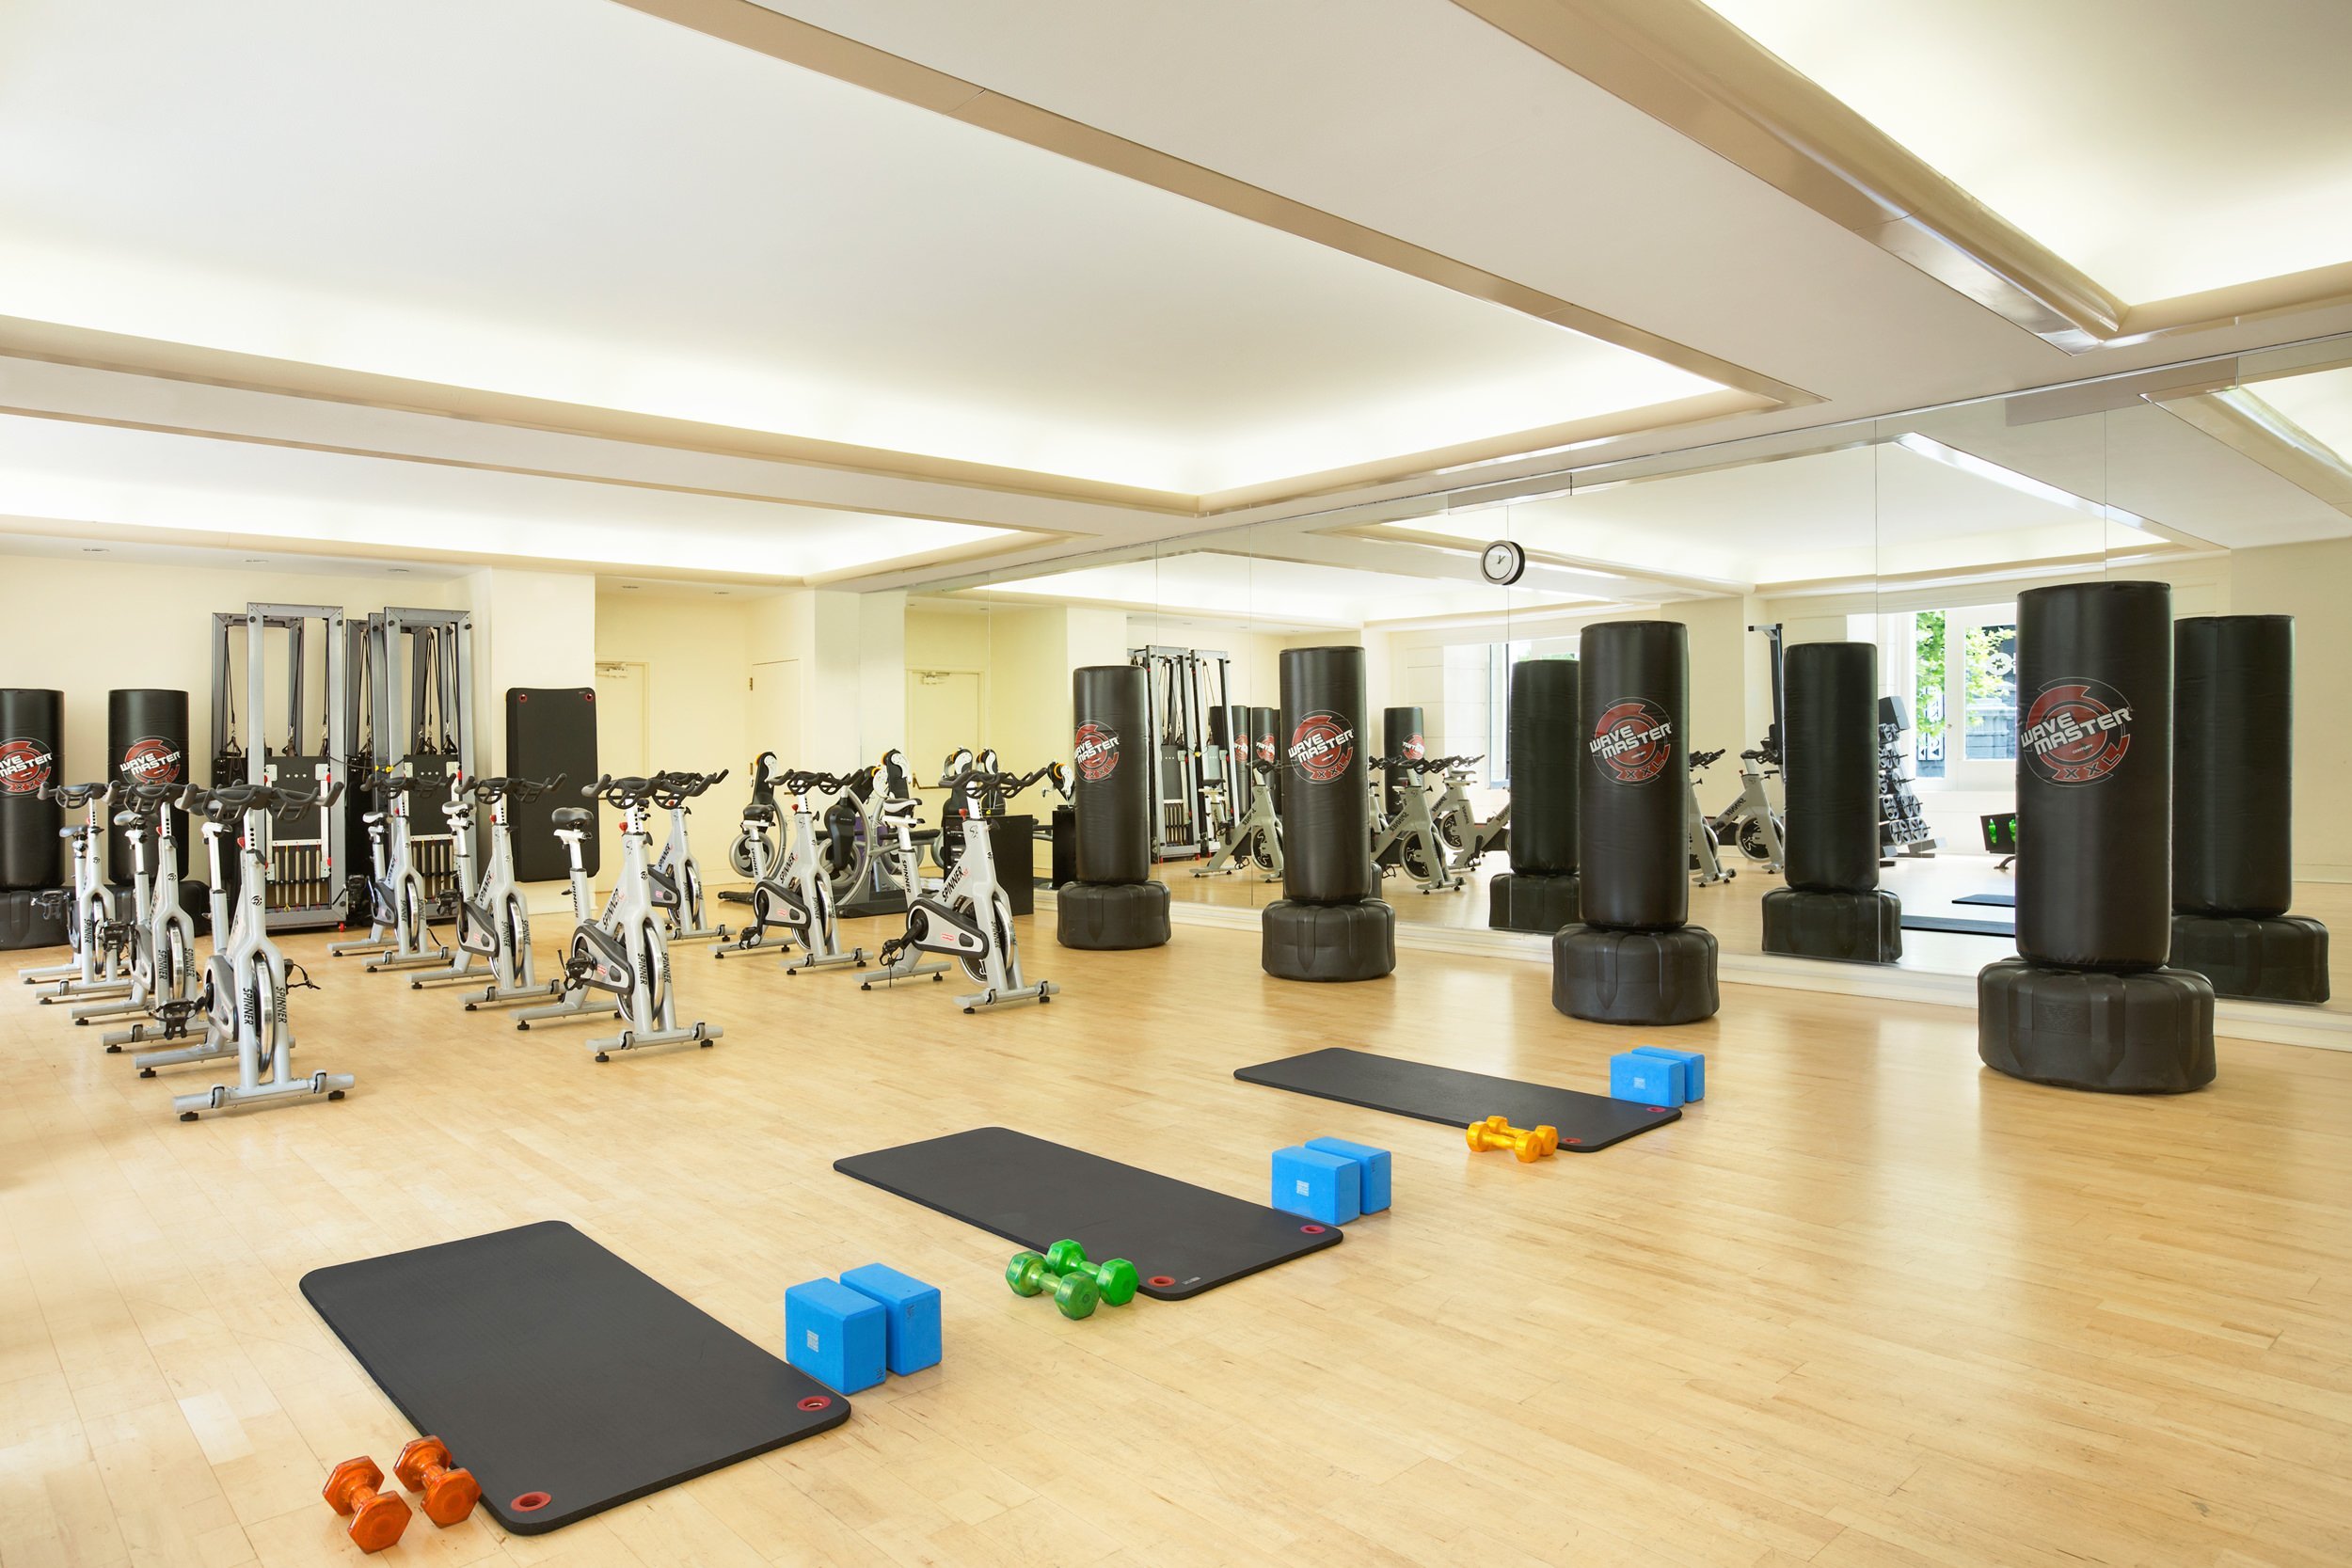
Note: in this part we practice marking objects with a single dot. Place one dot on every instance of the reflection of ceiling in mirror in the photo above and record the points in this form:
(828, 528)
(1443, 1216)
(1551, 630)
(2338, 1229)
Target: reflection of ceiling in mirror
(1832, 515)
(2164, 147)
(1290, 593)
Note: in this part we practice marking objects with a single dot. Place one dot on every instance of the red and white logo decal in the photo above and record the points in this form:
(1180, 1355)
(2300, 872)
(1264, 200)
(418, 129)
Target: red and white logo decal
(1635, 741)
(1265, 748)
(1323, 746)
(152, 760)
(1096, 751)
(1415, 747)
(24, 766)
(2076, 732)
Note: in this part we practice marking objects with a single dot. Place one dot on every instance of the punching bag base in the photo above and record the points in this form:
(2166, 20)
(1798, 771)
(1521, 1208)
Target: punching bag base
(1853, 928)
(22, 927)
(1529, 901)
(1604, 975)
(2148, 1033)
(2281, 958)
(1328, 941)
(1101, 917)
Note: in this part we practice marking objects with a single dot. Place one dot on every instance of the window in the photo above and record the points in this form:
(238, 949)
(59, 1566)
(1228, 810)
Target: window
(1960, 669)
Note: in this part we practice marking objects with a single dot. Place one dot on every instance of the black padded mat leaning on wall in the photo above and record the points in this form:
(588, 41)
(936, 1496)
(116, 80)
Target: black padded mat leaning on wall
(550, 730)
(554, 1369)
(1182, 1239)
(1457, 1097)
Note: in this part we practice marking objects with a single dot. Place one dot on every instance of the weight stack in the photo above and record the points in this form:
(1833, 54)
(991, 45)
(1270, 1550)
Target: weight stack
(1329, 926)
(2233, 812)
(1114, 903)
(147, 742)
(2087, 1002)
(1634, 959)
(1833, 905)
(1539, 892)
(32, 738)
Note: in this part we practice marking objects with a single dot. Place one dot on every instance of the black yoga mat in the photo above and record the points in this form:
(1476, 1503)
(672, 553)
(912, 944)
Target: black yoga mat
(555, 1371)
(1586, 1121)
(1182, 1239)
(1966, 928)
(1999, 900)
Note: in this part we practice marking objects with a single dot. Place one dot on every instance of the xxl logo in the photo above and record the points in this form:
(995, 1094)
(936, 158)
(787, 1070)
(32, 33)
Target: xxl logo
(24, 766)
(1415, 747)
(2076, 732)
(1635, 741)
(152, 760)
(1265, 748)
(1321, 746)
(1095, 748)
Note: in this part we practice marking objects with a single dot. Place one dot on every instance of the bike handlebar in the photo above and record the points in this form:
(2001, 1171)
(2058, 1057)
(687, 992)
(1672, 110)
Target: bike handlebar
(1704, 759)
(277, 799)
(520, 789)
(74, 797)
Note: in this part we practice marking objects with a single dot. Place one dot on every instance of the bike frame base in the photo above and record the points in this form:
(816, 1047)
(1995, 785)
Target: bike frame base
(232, 1097)
(639, 1040)
(1038, 992)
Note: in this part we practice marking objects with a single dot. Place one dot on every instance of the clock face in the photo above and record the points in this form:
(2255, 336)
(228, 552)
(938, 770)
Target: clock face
(1504, 562)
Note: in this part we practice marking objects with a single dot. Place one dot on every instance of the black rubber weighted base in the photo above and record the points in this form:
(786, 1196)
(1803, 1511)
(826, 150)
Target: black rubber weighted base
(2282, 958)
(1525, 901)
(1328, 941)
(1109, 916)
(1604, 975)
(1853, 927)
(2149, 1033)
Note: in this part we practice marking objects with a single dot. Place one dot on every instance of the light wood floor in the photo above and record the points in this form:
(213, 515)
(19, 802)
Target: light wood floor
(1868, 1304)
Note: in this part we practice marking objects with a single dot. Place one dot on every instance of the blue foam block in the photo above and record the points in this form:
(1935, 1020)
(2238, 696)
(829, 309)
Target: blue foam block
(910, 1313)
(1694, 1066)
(1321, 1186)
(835, 1335)
(1646, 1080)
(1373, 1164)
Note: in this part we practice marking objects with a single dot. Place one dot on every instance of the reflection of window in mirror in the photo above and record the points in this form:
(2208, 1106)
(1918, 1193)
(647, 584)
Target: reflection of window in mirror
(1956, 672)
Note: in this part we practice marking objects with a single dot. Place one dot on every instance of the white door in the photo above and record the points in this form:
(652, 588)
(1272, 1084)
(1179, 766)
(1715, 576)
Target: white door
(620, 750)
(776, 711)
(942, 713)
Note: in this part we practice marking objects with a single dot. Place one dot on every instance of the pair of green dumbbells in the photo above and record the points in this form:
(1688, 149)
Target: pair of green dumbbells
(1077, 1285)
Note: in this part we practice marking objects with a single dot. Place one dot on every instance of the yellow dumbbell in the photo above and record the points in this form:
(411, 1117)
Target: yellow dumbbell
(1525, 1145)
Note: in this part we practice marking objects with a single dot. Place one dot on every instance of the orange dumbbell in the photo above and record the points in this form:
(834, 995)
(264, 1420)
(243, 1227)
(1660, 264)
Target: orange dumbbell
(377, 1517)
(450, 1493)
(1526, 1146)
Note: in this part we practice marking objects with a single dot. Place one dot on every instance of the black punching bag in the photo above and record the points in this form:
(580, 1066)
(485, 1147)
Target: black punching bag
(1833, 907)
(147, 742)
(1633, 960)
(1327, 926)
(2234, 813)
(2094, 775)
(32, 736)
(1113, 904)
(1111, 753)
(1634, 788)
(1540, 890)
(2088, 1003)
(2233, 774)
(1264, 722)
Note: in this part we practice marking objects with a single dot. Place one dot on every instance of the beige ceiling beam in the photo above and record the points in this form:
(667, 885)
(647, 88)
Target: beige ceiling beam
(1685, 66)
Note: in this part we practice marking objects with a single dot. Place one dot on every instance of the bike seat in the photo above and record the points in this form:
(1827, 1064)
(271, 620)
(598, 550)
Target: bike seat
(763, 815)
(571, 817)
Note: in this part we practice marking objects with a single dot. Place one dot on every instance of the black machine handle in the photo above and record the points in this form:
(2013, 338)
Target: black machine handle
(1008, 784)
(1705, 759)
(672, 790)
(74, 797)
(519, 789)
(223, 800)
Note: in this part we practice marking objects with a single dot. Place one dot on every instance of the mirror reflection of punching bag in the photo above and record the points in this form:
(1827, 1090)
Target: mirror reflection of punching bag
(1114, 904)
(1329, 925)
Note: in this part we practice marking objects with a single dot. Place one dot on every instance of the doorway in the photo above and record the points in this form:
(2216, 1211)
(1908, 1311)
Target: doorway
(942, 713)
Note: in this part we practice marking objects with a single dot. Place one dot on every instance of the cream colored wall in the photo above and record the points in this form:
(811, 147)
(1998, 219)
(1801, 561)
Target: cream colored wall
(696, 654)
(529, 629)
(88, 626)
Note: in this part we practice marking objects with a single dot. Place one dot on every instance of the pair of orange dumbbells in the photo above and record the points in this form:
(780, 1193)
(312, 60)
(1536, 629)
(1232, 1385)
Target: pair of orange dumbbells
(377, 1518)
(1527, 1144)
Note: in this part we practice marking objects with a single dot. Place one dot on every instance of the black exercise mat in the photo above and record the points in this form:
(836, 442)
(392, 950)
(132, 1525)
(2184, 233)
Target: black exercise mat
(1966, 928)
(1182, 1239)
(550, 1367)
(1999, 900)
(1586, 1121)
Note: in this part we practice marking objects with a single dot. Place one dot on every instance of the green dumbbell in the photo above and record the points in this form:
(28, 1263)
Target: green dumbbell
(1116, 1279)
(1077, 1285)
